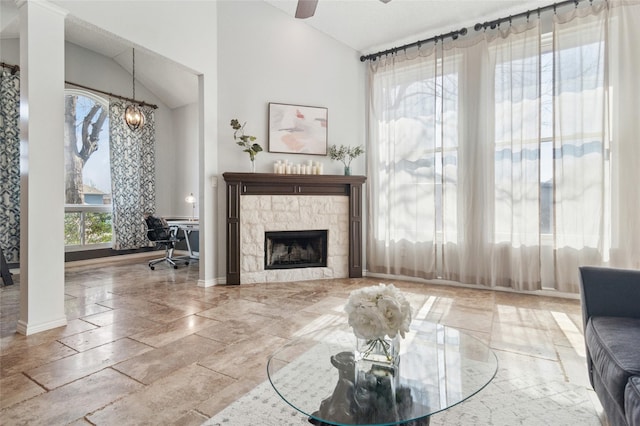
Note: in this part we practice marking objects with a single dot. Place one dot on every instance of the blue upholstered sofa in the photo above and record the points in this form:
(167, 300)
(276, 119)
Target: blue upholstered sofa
(611, 314)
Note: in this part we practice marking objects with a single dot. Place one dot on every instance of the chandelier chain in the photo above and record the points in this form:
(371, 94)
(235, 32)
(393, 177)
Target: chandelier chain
(133, 74)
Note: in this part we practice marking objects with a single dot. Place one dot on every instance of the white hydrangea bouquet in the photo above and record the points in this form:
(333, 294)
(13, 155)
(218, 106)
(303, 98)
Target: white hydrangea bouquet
(378, 314)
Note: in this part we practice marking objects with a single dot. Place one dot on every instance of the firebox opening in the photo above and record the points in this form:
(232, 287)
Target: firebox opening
(295, 249)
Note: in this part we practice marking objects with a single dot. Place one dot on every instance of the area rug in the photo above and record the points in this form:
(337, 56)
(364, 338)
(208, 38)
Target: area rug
(506, 401)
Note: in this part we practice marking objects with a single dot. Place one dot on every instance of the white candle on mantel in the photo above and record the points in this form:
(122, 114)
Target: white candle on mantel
(320, 171)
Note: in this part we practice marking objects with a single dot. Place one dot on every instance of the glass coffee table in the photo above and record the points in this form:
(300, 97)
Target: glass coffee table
(439, 367)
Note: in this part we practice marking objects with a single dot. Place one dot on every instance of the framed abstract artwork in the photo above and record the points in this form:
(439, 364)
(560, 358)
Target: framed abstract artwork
(297, 129)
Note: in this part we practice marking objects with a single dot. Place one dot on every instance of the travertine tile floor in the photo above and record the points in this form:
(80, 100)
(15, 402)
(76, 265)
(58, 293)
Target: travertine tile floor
(150, 347)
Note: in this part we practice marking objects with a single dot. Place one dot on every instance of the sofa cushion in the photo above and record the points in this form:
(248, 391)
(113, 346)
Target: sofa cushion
(613, 344)
(632, 401)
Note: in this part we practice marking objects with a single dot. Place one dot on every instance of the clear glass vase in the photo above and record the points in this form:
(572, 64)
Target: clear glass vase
(253, 165)
(384, 351)
(377, 374)
(347, 170)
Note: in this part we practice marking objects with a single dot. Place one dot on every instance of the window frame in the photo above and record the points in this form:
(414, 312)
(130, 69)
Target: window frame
(88, 208)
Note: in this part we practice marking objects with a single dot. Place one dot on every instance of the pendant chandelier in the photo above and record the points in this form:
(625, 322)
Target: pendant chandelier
(133, 115)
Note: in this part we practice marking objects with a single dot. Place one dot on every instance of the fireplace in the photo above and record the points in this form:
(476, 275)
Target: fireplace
(272, 202)
(295, 249)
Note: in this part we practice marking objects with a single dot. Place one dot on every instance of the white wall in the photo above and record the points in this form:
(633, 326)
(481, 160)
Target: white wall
(184, 162)
(267, 56)
(96, 71)
(184, 32)
(248, 54)
(87, 68)
(10, 51)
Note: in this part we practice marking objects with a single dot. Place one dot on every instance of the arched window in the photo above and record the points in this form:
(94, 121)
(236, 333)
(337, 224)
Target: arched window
(88, 211)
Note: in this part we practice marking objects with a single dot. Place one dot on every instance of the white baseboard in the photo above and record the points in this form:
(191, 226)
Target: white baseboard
(29, 329)
(543, 292)
(208, 283)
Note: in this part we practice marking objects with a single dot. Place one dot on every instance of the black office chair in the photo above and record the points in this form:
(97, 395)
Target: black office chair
(164, 236)
(4, 269)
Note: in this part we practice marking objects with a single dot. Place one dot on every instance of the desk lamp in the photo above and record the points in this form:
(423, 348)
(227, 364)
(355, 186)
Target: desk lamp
(192, 200)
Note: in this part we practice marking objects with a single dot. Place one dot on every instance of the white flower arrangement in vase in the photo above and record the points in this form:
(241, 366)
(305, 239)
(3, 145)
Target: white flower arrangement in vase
(378, 315)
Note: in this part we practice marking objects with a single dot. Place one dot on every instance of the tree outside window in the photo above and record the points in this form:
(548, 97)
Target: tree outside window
(87, 171)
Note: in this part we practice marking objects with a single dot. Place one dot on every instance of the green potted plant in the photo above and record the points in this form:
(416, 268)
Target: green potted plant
(246, 142)
(346, 154)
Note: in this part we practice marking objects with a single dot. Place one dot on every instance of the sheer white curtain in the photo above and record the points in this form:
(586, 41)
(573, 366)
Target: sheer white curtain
(624, 65)
(405, 118)
(581, 162)
(467, 162)
(516, 62)
(490, 163)
(492, 160)
(447, 201)
(597, 165)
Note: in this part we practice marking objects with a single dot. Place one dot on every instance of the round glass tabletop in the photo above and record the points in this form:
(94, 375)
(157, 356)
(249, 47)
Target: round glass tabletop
(439, 367)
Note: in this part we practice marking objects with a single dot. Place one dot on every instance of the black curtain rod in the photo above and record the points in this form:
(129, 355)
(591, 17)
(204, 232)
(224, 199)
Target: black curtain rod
(496, 22)
(141, 103)
(16, 68)
(455, 34)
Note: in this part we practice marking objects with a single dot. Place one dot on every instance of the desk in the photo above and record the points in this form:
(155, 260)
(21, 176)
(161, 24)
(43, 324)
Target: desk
(439, 367)
(187, 227)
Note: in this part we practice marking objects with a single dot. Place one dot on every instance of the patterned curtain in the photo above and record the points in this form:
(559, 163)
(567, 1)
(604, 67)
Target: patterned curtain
(10, 165)
(132, 176)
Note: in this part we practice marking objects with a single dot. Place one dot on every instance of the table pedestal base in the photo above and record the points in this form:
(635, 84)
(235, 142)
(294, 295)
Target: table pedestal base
(368, 399)
(420, 422)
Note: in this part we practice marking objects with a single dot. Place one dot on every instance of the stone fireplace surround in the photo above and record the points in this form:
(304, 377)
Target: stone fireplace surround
(259, 202)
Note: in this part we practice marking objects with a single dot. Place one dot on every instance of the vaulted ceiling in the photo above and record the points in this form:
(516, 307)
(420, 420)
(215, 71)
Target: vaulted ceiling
(372, 25)
(364, 25)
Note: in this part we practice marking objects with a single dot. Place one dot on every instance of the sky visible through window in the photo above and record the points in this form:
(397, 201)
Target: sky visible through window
(96, 172)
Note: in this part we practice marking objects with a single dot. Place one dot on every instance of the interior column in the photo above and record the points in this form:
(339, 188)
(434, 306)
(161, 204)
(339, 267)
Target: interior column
(208, 181)
(41, 167)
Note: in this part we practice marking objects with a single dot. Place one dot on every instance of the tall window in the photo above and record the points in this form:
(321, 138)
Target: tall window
(489, 160)
(88, 212)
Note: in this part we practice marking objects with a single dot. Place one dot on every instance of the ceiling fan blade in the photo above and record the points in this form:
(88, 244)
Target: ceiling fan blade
(306, 8)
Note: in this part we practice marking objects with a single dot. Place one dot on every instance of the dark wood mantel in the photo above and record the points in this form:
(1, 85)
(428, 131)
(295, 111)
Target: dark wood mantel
(239, 184)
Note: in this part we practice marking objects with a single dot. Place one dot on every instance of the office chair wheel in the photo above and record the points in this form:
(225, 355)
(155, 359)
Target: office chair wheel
(175, 266)
(186, 263)
(152, 268)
